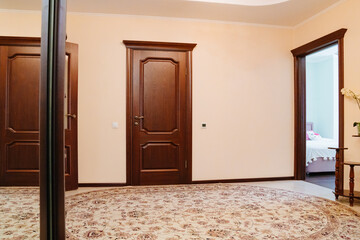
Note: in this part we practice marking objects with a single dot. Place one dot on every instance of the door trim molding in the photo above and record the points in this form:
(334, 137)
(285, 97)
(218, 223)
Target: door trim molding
(300, 54)
(159, 46)
(20, 41)
(171, 46)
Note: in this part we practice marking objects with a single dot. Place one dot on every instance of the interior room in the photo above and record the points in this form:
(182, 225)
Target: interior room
(322, 115)
(185, 119)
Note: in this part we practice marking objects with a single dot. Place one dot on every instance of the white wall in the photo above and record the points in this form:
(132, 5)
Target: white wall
(242, 88)
(320, 95)
(344, 15)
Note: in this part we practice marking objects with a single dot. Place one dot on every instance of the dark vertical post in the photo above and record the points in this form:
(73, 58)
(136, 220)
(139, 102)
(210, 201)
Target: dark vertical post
(339, 163)
(337, 174)
(52, 182)
(300, 117)
(351, 185)
(341, 111)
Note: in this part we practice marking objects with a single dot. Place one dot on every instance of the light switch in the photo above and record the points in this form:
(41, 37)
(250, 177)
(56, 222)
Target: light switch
(203, 125)
(115, 125)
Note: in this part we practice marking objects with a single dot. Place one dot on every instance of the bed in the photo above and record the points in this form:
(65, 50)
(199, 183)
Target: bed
(318, 157)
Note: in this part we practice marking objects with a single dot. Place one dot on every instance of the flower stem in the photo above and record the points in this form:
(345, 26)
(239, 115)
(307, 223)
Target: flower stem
(355, 97)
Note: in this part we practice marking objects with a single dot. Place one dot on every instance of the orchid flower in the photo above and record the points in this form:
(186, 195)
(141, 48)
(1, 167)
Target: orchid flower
(348, 93)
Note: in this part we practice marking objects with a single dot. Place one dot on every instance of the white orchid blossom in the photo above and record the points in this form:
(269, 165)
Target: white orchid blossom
(348, 93)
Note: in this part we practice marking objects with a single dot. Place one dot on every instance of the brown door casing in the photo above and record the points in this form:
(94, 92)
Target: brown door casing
(19, 108)
(159, 121)
(300, 54)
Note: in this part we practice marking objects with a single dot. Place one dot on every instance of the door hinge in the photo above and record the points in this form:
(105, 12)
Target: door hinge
(186, 164)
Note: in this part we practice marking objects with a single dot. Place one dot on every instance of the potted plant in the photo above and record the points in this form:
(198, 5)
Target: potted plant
(348, 93)
(358, 127)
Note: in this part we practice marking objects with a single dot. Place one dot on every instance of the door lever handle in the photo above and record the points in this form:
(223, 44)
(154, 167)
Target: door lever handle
(138, 118)
(71, 115)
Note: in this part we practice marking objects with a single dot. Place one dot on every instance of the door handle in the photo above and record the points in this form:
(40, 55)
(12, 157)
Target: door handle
(71, 115)
(138, 118)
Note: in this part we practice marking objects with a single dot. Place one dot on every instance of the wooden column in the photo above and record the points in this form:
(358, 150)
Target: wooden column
(338, 173)
(351, 185)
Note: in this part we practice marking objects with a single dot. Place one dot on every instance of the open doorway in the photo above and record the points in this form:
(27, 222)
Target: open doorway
(322, 115)
(302, 60)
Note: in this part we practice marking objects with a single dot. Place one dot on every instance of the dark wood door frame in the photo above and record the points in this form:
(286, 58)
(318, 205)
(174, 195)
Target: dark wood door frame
(300, 54)
(159, 46)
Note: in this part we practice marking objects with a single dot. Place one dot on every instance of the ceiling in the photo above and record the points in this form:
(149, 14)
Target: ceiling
(278, 12)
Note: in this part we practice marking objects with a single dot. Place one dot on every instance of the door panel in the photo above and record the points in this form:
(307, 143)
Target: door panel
(159, 97)
(160, 100)
(23, 80)
(159, 156)
(22, 156)
(19, 118)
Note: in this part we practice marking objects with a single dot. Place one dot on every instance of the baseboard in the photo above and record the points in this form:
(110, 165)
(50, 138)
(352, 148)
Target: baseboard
(243, 180)
(102, 184)
(196, 182)
(320, 173)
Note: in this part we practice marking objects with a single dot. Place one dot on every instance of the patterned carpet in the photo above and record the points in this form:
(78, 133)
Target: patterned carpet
(214, 211)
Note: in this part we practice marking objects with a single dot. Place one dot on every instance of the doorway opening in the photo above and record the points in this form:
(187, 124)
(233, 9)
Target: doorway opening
(322, 115)
(304, 58)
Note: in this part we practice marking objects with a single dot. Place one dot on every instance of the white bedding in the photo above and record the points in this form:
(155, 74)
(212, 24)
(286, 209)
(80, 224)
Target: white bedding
(319, 148)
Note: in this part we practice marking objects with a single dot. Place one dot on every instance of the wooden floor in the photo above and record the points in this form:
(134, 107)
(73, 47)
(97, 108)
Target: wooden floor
(322, 179)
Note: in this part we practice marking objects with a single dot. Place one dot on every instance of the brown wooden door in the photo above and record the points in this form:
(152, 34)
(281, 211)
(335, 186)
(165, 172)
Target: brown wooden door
(19, 119)
(19, 113)
(160, 117)
(71, 116)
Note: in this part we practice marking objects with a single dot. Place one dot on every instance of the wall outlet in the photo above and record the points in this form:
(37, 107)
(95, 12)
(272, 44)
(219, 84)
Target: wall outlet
(115, 125)
(203, 125)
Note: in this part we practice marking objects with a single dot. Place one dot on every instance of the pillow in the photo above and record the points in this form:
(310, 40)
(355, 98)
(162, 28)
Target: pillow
(311, 135)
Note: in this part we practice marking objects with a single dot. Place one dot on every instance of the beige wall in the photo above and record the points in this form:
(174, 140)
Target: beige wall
(345, 15)
(242, 88)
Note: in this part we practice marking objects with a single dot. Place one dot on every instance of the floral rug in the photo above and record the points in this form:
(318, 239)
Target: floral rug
(19, 213)
(214, 211)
